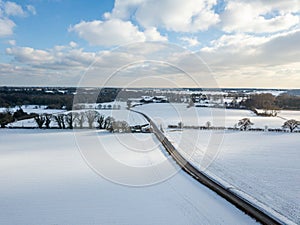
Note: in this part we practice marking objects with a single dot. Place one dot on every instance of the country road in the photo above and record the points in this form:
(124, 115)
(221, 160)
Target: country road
(244, 205)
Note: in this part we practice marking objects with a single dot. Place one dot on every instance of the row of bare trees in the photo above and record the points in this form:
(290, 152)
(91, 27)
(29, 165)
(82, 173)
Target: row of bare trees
(291, 125)
(244, 125)
(90, 118)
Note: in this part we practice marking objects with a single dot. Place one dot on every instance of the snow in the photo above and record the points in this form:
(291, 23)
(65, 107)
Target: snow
(23, 123)
(49, 175)
(39, 109)
(131, 117)
(265, 166)
(289, 114)
(44, 180)
(122, 115)
(172, 114)
(273, 92)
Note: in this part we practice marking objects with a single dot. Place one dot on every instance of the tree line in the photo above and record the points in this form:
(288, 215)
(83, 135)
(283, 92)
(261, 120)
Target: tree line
(9, 97)
(53, 101)
(271, 104)
(243, 124)
(78, 120)
(7, 116)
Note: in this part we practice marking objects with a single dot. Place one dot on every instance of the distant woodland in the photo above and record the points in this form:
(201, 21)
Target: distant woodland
(270, 102)
(65, 97)
(53, 98)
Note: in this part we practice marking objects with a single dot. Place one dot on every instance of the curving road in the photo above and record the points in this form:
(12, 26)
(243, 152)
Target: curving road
(236, 200)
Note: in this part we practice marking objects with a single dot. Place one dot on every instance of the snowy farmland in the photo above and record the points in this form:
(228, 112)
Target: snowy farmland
(172, 114)
(43, 172)
(264, 165)
(45, 180)
(120, 114)
(38, 109)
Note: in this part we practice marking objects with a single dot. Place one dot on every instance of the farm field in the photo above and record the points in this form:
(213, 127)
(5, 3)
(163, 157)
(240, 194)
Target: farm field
(265, 171)
(46, 181)
(121, 114)
(262, 165)
(172, 114)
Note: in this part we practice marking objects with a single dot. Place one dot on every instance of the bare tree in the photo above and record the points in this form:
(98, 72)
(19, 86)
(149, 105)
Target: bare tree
(80, 119)
(40, 120)
(91, 117)
(5, 118)
(180, 125)
(70, 119)
(47, 120)
(245, 124)
(291, 124)
(119, 127)
(108, 123)
(128, 104)
(191, 103)
(100, 121)
(60, 120)
(124, 127)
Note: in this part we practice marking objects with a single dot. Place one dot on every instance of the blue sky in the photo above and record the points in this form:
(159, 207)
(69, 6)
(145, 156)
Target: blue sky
(49, 26)
(240, 43)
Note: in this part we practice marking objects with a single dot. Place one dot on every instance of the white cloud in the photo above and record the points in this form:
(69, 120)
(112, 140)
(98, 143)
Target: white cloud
(282, 48)
(40, 66)
(174, 15)
(123, 9)
(31, 9)
(233, 43)
(234, 63)
(13, 9)
(108, 33)
(151, 34)
(191, 41)
(248, 60)
(73, 44)
(59, 58)
(150, 16)
(114, 32)
(259, 16)
(238, 57)
(11, 42)
(6, 26)
(29, 55)
(245, 49)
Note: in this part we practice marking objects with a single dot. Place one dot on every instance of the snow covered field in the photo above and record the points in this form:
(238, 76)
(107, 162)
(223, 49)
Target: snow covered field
(166, 114)
(44, 180)
(289, 114)
(170, 114)
(121, 114)
(264, 165)
(39, 109)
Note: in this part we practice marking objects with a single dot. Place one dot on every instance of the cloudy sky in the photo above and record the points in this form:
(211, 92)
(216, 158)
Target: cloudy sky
(224, 43)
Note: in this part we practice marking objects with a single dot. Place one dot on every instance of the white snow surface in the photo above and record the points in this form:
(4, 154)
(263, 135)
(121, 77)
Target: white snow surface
(44, 180)
(290, 114)
(263, 165)
(121, 114)
(39, 109)
(171, 114)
